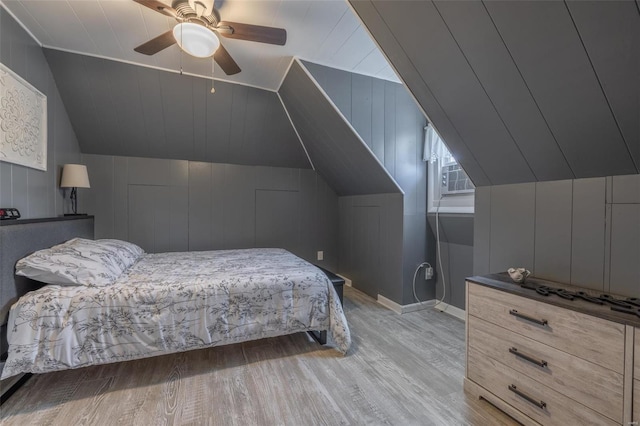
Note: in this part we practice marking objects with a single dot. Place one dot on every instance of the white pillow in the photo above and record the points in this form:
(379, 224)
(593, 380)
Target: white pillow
(125, 253)
(79, 262)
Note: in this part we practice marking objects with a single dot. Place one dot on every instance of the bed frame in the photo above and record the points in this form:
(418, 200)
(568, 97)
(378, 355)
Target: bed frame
(18, 238)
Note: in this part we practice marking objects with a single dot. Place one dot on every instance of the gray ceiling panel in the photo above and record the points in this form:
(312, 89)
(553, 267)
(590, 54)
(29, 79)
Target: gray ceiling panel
(420, 30)
(124, 96)
(339, 91)
(547, 49)
(542, 86)
(403, 64)
(337, 152)
(200, 93)
(150, 85)
(481, 45)
(219, 134)
(177, 118)
(126, 110)
(104, 111)
(610, 32)
(76, 81)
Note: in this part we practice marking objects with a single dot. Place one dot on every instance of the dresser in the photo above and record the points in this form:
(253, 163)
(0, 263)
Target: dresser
(548, 360)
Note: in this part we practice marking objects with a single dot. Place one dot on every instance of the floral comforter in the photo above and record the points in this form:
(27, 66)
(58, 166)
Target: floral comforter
(173, 302)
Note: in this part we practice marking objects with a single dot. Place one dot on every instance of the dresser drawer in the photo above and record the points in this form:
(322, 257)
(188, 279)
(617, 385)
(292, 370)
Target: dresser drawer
(535, 400)
(592, 385)
(594, 339)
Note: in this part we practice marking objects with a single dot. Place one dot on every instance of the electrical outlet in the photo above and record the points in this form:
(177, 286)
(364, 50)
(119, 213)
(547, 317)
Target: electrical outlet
(428, 273)
(320, 255)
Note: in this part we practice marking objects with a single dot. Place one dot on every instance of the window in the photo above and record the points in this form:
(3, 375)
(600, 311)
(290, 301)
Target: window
(449, 187)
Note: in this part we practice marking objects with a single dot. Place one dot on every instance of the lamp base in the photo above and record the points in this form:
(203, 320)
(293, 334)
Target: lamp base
(76, 214)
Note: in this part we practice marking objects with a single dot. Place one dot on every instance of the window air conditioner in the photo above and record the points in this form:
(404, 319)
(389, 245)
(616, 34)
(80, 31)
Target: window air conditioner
(455, 180)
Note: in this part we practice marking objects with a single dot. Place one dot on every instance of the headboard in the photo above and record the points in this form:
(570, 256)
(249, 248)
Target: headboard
(19, 238)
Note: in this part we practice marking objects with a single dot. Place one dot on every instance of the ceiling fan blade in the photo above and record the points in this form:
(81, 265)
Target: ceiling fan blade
(157, 44)
(226, 62)
(158, 6)
(250, 32)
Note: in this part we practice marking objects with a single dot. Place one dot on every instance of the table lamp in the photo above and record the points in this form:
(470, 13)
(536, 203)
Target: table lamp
(74, 176)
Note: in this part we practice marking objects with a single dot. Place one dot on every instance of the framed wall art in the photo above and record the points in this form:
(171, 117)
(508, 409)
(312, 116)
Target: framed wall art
(23, 121)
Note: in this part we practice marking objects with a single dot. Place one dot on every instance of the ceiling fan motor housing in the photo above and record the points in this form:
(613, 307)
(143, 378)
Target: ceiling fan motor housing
(188, 10)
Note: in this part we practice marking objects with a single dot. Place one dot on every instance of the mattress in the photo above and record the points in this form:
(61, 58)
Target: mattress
(173, 302)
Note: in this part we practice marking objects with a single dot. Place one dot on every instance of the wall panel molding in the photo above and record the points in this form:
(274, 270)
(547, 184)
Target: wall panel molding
(177, 205)
(582, 236)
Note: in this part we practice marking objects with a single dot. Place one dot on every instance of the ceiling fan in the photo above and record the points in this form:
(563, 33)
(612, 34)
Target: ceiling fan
(198, 23)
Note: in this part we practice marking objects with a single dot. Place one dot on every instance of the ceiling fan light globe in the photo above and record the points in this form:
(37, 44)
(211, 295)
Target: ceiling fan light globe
(196, 40)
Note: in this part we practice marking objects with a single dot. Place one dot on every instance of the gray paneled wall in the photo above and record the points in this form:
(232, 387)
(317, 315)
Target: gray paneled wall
(521, 91)
(390, 123)
(585, 231)
(371, 244)
(337, 152)
(456, 253)
(177, 205)
(127, 110)
(34, 192)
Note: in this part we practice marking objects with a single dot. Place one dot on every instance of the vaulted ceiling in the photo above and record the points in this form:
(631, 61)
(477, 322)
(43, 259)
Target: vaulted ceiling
(322, 31)
(521, 91)
(122, 109)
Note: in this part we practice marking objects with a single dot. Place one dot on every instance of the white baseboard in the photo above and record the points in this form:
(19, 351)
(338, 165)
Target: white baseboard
(452, 310)
(347, 281)
(404, 309)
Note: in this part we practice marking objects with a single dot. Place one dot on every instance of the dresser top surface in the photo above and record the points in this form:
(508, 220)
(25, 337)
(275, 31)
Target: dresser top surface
(503, 282)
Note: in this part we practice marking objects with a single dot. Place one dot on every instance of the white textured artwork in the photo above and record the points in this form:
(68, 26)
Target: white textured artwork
(23, 121)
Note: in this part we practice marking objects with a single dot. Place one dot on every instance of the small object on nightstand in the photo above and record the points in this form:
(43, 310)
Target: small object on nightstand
(7, 213)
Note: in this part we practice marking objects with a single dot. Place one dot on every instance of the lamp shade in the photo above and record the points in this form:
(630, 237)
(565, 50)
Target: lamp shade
(196, 40)
(74, 176)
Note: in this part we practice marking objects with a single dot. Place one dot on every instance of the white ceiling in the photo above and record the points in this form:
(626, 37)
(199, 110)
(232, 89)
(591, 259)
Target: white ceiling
(323, 31)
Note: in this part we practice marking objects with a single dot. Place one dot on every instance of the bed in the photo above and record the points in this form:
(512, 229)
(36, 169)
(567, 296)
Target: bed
(166, 303)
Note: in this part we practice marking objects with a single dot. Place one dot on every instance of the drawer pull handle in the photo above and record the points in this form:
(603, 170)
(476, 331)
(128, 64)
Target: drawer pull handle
(539, 363)
(515, 313)
(539, 404)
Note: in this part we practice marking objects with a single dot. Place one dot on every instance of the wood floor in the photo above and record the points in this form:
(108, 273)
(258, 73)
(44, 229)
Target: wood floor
(401, 370)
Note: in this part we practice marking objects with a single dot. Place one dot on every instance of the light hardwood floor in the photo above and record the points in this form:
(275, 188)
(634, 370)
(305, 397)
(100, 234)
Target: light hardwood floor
(400, 370)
